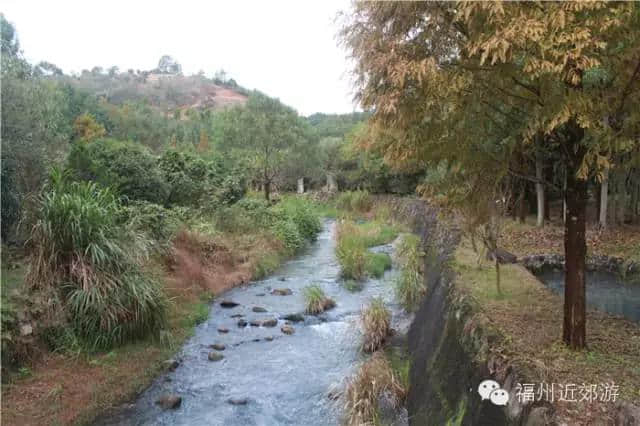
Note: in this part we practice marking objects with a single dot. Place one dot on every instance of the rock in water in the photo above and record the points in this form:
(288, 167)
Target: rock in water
(254, 323)
(215, 356)
(228, 304)
(282, 292)
(237, 401)
(223, 330)
(218, 347)
(169, 401)
(242, 323)
(259, 309)
(271, 322)
(294, 317)
(268, 338)
(287, 329)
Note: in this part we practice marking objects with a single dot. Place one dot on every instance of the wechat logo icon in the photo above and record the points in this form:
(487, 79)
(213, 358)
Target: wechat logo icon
(490, 389)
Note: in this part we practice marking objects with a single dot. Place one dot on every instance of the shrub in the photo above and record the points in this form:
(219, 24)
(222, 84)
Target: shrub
(128, 167)
(316, 300)
(159, 222)
(377, 263)
(355, 201)
(410, 288)
(88, 261)
(374, 379)
(351, 254)
(286, 231)
(302, 214)
(376, 324)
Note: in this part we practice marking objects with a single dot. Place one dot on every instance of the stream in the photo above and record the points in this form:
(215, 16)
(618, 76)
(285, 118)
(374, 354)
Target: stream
(286, 380)
(606, 292)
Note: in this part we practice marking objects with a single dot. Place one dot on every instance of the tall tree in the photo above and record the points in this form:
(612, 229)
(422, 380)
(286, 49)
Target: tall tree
(453, 81)
(265, 131)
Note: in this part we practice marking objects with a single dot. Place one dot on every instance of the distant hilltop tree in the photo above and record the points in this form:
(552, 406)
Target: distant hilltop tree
(168, 65)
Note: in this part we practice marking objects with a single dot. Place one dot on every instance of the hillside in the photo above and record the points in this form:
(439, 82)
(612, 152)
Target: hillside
(164, 91)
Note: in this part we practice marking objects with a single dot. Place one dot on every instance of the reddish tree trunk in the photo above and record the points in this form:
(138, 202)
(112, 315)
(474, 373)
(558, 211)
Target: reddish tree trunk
(575, 247)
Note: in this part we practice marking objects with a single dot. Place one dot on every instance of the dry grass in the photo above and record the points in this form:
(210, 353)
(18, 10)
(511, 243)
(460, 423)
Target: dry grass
(376, 325)
(529, 316)
(374, 379)
(525, 239)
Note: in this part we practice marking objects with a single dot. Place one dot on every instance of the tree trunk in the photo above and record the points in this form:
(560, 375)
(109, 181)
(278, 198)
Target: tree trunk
(575, 246)
(495, 255)
(547, 204)
(539, 191)
(604, 193)
(267, 190)
(523, 204)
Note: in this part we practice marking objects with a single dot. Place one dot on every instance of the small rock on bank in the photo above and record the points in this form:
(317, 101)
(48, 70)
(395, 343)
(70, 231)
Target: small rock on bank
(169, 401)
(170, 364)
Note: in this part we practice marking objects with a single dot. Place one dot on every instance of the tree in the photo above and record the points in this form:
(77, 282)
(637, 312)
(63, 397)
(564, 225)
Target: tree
(87, 129)
(265, 131)
(168, 65)
(455, 81)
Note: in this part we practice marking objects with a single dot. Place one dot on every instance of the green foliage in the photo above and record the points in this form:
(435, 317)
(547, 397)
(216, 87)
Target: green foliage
(157, 221)
(316, 301)
(351, 252)
(410, 286)
(86, 259)
(285, 230)
(355, 201)
(9, 197)
(126, 166)
(377, 263)
(302, 214)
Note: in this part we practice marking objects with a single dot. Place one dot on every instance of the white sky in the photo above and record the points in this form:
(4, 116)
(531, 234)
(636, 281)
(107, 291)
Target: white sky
(286, 49)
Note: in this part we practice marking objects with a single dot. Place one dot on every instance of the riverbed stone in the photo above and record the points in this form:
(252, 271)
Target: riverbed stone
(271, 322)
(242, 323)
(237, 401)
(287, 329)
(215, 356)
(258, 309)
(260, 294)
(237, 316)
(228, 304)
(169, 401)
(223, 330)
(218, 346)
(171, 364)
(294, 317)
(282, 292)
(254, 323)
(268, 338)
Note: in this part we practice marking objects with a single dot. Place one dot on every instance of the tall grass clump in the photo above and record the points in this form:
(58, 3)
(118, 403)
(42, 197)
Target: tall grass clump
(86, 260)
(316, 301)
(374, 379)
(377, 263)
(351, 251)
(376, 325)
(355, 201)
(410, 287)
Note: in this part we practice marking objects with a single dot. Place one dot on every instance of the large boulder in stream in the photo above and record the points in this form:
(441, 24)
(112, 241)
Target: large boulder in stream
(282, 292)
(169, 401)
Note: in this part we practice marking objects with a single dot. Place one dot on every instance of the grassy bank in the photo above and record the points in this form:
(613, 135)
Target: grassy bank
(203, 257)
(528, 316)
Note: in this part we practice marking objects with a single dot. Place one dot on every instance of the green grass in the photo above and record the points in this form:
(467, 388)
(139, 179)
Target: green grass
(409, 286)
(377, 263)
(316, 301)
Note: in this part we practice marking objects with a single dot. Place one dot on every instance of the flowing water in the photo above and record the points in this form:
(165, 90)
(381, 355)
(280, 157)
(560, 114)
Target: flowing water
(285, 381)
(606, 292)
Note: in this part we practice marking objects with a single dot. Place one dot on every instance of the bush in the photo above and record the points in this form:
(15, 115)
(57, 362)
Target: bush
(316, 300)
(376, 324)
(157, 221)
(128, 167)
(355, 201)
(374, 379)
(286, 231)
(377, 263)
(302, 214)
(351, 253)
(88, 261)
(409, 286)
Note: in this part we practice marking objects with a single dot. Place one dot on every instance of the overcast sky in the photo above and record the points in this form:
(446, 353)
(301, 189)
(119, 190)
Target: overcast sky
(286, 49)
